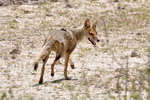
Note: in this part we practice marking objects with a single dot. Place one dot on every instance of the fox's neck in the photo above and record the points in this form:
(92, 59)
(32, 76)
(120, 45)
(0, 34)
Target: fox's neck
(79, 33)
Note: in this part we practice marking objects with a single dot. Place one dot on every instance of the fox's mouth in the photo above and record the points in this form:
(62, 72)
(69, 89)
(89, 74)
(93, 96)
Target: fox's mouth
(92, 41)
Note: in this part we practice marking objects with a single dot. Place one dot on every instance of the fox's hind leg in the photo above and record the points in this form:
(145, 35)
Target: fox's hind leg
(43, 68)
(53, 64)
(71, 64)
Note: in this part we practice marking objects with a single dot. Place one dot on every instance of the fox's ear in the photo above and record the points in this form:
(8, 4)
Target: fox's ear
(94, 24)
(87, 23)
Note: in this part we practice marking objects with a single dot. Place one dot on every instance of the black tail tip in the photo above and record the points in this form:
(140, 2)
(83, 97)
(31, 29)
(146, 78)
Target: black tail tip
(35, 66)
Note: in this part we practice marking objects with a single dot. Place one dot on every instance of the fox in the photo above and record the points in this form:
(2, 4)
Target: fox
(63, 43)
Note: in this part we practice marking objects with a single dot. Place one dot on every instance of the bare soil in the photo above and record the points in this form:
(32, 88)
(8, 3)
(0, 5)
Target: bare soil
(100, 72)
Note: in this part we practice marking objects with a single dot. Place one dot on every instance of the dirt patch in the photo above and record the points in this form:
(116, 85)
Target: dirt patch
(12, 2)
(21, 2)
(100, 72)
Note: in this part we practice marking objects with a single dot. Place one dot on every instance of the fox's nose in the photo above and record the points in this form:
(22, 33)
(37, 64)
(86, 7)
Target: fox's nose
(98, 40)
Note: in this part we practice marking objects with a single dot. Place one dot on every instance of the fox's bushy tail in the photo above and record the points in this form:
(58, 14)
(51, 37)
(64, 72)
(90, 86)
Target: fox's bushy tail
(43, 53)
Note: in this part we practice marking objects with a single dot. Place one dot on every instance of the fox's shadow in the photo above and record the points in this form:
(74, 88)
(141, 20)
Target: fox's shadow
(55, 81)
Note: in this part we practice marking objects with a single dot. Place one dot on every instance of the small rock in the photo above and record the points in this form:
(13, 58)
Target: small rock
(17, 17)
(15, 51)
(68, 5)
(116, 0)
(13, 56)
(132, 33)
(26, 11)
(134, 54)
(120, 7)
(113, 0)
(54, 0)
(65, 1)
(1, 39)
(138, 33)
(49, 15)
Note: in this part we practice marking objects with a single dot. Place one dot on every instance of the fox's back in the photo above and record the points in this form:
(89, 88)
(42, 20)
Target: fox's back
(64, 40)
(57, 35)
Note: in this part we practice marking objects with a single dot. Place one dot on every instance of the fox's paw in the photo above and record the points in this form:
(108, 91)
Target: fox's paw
(72, 66)
(41, 81)
(52, 74)
(67, 78)
(35, 66)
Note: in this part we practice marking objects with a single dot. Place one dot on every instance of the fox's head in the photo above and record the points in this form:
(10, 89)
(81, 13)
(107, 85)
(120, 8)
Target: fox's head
(90, 31)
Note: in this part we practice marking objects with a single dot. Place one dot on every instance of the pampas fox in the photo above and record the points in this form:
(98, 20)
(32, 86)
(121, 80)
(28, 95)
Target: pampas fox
(63, 42)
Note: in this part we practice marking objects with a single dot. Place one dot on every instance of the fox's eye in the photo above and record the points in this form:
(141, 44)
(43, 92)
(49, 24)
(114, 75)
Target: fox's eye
(91, 33)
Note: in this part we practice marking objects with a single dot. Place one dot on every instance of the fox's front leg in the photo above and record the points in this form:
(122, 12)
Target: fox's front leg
(66, 65)
(71, 64)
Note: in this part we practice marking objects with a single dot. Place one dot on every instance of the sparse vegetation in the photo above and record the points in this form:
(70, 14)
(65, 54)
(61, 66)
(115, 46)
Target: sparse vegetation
(100, 72)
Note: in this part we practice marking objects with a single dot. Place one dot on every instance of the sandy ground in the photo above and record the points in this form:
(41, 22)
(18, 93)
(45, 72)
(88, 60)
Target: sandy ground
(97, 69)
